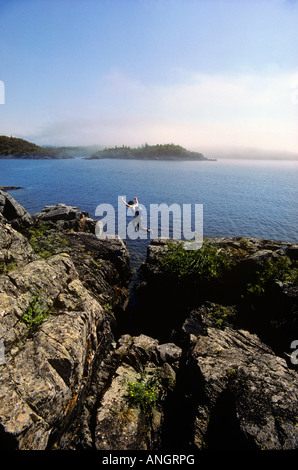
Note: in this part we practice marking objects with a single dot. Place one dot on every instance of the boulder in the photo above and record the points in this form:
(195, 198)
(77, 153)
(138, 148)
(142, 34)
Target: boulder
(246, 396)
(65, 217)
(15, 250)
(13, 212)
(169, 352)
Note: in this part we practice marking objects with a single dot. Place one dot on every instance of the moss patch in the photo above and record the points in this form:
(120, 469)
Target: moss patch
(45, 241)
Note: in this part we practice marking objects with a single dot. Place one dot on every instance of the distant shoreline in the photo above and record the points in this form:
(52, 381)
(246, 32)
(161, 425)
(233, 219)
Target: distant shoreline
(165, 158)
(168, 152)
(10, 188)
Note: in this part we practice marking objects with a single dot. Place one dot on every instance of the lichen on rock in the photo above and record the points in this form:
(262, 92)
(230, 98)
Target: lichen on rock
(201, 365)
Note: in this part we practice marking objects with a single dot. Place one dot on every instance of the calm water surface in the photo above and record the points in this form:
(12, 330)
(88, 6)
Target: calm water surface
(240, 198)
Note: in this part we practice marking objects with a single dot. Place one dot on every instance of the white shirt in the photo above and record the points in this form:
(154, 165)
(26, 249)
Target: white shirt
(135, 208)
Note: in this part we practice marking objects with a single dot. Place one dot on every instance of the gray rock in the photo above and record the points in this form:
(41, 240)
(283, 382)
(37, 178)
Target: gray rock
(46, 369)
(66, 381)
(55, 333)
(65, 217)
(15, 250)
(122, 422)
(239, 373)
(13, 212)
(169, 352)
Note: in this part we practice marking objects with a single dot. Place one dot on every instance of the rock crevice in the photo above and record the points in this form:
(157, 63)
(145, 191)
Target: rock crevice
(207, 365)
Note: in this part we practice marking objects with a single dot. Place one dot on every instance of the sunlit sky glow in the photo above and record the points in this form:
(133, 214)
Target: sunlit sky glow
(197, 73)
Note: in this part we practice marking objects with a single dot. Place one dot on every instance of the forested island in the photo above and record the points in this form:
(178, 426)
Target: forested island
(13, 147)
(149, 152)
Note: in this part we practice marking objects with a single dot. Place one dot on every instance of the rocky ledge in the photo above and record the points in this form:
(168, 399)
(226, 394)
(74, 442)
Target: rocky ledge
(237, 384)
(70, 379)
(207, 364)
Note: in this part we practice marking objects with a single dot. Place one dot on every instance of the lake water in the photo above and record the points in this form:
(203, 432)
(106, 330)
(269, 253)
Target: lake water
(240, 198)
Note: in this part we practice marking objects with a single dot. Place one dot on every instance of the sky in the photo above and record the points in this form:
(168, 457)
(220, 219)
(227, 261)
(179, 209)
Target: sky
(197, 73)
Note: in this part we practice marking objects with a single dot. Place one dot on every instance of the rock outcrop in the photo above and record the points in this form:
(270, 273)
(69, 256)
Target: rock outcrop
(262, 302)
(46, 371)
(65, 217)
(246, 395)
(55, 328)
(15, 250)
(202, 363)
(124, 409)
(236, 387)
(13, 212)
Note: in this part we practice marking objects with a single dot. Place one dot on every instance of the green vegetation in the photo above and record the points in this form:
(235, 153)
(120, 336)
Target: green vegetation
(221, 315)
(107, 307)
(46, 241)
(194, 266)
(197, 267)
(11, 147)
(143, 394)
(7, 267)
(279, 269)
(35, 314)
(231, 374)
(149, 152)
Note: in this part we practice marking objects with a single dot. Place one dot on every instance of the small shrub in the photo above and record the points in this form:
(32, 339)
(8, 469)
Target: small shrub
(142, 394)
(35, 314)
(221, 315)
(280, 269)
(7, 267)
(107, 307)
(202, 265)
(244, 243)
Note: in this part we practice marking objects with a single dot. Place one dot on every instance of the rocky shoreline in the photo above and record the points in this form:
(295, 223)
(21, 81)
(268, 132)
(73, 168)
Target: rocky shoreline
(10, 188)
(204, 366)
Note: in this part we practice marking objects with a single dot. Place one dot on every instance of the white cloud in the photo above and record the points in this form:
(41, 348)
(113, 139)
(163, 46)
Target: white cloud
(231, 109)
(196, 110)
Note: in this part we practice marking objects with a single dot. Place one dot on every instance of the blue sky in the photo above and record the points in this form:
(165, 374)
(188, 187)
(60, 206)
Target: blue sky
(198, 73)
